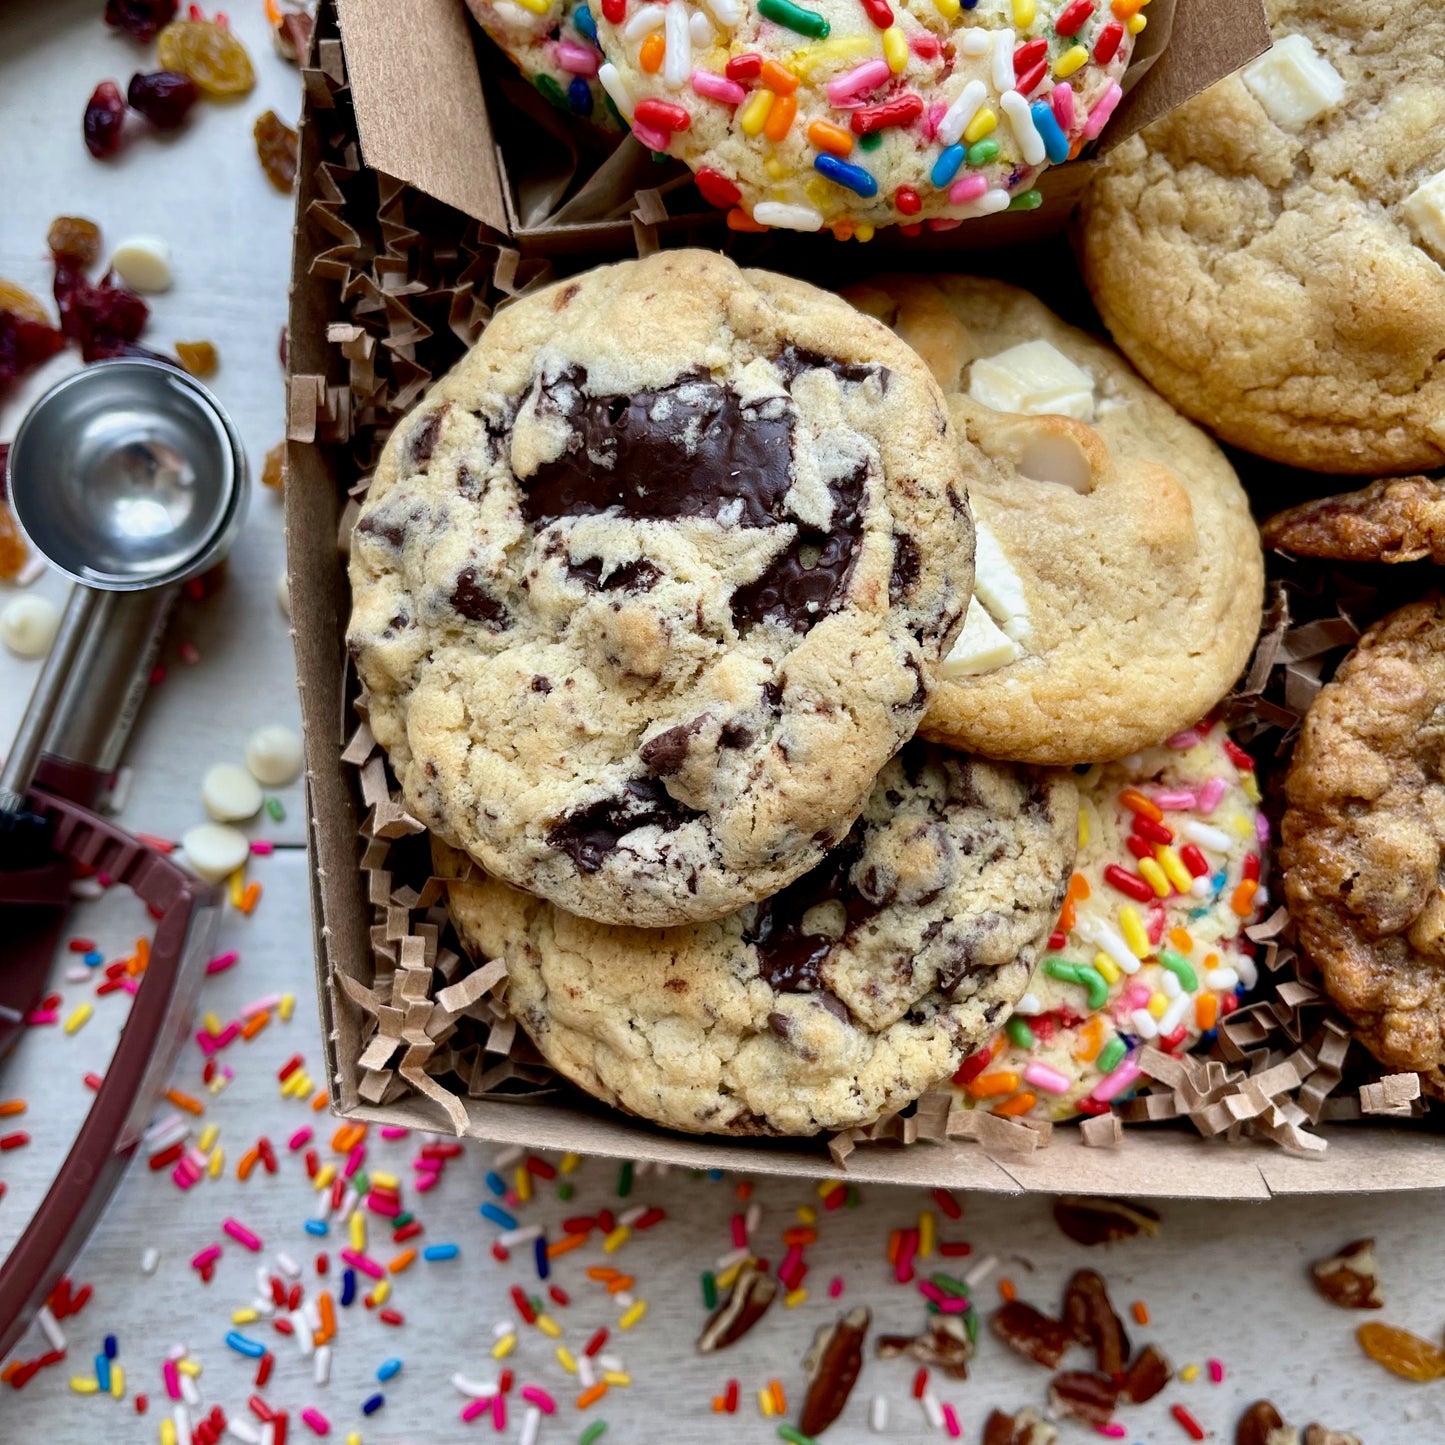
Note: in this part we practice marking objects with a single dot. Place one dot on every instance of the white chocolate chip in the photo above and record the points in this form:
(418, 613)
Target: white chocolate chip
(787, 217)
(143, 263)
(215, 851)
(1033, 378)
(230, 793)
(1294, 82)
(981, 647)
(274, 756)
(1424, 209)
(1058, 459)
(997, 586)
(28, 625)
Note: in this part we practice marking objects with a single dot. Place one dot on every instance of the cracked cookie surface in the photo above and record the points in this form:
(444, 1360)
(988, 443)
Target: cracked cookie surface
(838, 1000)
(1364, 834)
(1271, 255)
(655, 580)
(1118, 575)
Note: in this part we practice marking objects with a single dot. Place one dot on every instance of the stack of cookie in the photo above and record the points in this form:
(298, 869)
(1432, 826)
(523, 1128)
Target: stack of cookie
(651, 596)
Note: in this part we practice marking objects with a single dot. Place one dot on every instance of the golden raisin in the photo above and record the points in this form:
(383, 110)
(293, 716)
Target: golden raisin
(209, 54)
(73, 238)
(13, 552)
(20, 302)
(198, 357)
(1402, 1353)
(271, 473)
(276, 145)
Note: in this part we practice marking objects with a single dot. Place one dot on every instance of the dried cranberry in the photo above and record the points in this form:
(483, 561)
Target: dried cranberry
(164, 97)
(140, 18)
(24, 344)
(105, 319)
(104, 118)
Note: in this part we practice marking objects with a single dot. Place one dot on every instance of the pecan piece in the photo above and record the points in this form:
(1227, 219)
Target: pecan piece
(1396, 519)
(1035, 1335)
(1262, 1424)
(1091, 1320)
(747, 1302)
(1081, 1395)
(1350, 1277)
(947, 1344)
(1098, 1221)
(1144, 1379)
(1027, 1427)
(833, 1364)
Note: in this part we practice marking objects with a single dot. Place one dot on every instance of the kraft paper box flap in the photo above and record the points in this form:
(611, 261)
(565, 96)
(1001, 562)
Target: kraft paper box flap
(1204, 41)
(418, 99)
(422, 116)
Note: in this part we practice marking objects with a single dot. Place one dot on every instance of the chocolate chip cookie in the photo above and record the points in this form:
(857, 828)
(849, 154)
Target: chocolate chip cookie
(1271, 254)
(837, 1000)
(1363, 839)
(1118, 577)
(654, 582)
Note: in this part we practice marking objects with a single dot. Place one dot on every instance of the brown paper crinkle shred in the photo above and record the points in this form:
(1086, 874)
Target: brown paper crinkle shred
(413, 284)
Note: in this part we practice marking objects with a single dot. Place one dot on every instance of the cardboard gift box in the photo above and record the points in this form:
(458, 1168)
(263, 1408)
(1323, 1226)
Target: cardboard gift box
(407, 238)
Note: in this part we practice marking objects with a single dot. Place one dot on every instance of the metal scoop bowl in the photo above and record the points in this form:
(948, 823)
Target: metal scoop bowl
(128, 477)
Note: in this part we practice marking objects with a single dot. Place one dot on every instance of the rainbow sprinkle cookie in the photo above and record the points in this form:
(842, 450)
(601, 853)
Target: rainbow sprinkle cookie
(1149, 948)
(554, 44)
(850, 114)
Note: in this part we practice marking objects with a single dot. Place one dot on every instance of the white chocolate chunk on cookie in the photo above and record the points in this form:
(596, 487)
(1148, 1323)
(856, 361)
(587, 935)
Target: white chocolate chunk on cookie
(1033, 379)
(1424, 211)
(998, 586)
(981, 647)
(1294, 82)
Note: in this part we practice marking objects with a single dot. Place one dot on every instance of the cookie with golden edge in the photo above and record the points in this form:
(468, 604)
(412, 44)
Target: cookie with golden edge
(1271, 254)
(1119, 577)
(836, 1001)
(656, 579)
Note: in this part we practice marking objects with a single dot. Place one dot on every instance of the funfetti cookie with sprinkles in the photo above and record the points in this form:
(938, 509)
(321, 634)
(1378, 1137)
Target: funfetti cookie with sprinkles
(1150, 947)
(851, 114)
(554, 44)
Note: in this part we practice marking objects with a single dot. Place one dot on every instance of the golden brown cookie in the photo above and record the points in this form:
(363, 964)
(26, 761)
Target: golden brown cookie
(1363, 838)
(1271, 254)
(655, 580)
(1118, 572)
(1400, 519)
(836, 1001)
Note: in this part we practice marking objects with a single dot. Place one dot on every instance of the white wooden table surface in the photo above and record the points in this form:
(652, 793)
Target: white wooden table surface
(1225, 1281)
